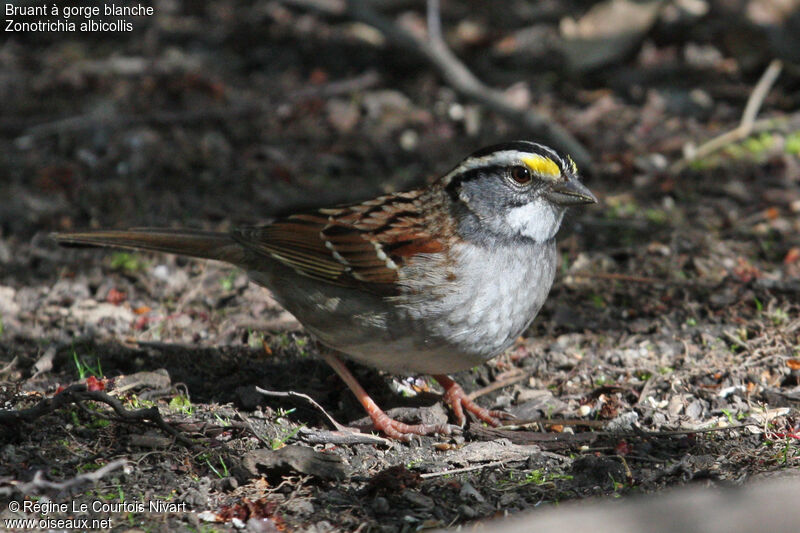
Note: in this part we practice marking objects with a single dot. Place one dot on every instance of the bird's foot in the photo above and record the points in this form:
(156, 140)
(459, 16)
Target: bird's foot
(400, 431)
(382, 422)
(458, 400)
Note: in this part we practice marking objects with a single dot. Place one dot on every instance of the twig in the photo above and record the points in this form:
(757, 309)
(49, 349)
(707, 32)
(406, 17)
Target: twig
(306, 397)
(756, 99)
(39, 483)
(9, 366)
(498, 385)
(349, 437)
(45, 362)
(789, 287)
(533, 422)
(747, 123)
(252, 429)
(78, 393)
(738, 342)
(434, 23)
(615, 276)
(462, 470)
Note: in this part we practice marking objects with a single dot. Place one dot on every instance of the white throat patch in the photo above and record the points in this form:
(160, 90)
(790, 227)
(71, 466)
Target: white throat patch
(538, 220)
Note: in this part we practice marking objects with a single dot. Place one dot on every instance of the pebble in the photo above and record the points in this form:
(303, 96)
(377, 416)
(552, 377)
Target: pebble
(468, 492)
(380, 505)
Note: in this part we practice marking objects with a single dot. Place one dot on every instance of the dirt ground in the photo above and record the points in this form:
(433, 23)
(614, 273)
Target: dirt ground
(667, 354)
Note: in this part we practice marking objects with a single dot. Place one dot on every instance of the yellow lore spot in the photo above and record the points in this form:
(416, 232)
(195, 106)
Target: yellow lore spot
(543, 166)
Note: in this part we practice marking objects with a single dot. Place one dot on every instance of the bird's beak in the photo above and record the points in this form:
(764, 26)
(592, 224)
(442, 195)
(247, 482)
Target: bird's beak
(569, 193)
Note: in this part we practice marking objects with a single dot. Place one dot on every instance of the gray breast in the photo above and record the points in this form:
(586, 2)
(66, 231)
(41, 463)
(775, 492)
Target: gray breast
(497, 294)
(454, 313)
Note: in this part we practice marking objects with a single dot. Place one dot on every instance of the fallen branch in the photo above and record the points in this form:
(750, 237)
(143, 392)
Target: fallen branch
(499, 384)
(435, 51)
(77, 394)
(306, 397)
(465, 469)
(342, 435)
(39, 484)
(789, 287)
(746, 125)
(615, 276)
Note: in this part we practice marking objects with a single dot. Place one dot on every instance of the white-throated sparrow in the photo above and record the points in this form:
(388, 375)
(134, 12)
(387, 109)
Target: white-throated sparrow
(431, 281)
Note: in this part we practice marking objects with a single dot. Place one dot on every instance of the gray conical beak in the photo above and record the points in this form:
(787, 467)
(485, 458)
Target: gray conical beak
(569, 193)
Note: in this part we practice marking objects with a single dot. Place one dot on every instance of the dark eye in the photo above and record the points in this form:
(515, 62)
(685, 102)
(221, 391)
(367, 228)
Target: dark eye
(521, 175)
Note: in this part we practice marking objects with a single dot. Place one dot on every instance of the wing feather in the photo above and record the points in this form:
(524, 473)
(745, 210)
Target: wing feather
(360, 244)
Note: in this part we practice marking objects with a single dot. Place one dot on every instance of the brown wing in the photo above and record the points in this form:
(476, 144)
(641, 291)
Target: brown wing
(360, 244)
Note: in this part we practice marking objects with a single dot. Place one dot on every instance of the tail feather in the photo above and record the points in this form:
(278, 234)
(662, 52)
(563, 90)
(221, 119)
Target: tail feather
(192, 243)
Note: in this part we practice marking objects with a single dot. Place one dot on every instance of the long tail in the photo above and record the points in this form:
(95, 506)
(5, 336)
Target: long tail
(193, 243)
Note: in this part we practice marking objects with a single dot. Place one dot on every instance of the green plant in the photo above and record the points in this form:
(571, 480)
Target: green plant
(728, 415)
(227, 281)
(656, 216)
(87, 467)
(255, 339)
(533, 477)
(792, 144)
(779, 316)
(597, 300)
(219, 474)
(127, 262)
(181, 403)
(137, 403)
(279, 442)
(222, 422)
(84, 369)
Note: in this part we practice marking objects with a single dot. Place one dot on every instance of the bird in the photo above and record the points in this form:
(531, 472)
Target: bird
(431, 281)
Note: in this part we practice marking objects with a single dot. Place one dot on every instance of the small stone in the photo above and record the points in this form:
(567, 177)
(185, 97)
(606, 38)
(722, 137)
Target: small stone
(343, 115)
(468, 492)
(299, 506)
(380, 505)
(695, 410)
(262, 525)
(623, 422)
(466, 511)
(409, 140)
(419, 500)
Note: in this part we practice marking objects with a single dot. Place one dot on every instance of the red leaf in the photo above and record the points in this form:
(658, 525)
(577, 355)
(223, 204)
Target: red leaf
(94, 384)
(115, 296)
(623, 448)
(792, 256)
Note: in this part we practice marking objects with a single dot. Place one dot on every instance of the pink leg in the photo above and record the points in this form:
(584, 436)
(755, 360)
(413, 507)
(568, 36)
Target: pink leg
(392, 428)
(456, 398)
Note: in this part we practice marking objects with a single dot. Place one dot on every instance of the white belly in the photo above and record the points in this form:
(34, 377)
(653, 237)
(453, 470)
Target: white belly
(445, 329)
(438, 326)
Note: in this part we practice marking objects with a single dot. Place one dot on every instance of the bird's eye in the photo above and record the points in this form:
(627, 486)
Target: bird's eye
(521, 175)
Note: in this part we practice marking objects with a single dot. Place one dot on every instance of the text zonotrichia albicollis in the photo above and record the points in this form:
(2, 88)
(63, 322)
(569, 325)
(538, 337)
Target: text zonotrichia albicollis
(429, 281)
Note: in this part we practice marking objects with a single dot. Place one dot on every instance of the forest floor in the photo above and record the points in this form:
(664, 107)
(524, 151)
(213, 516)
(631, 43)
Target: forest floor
(668, 351)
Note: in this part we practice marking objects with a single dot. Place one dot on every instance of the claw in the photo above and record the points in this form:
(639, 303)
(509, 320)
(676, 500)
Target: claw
(457, 399)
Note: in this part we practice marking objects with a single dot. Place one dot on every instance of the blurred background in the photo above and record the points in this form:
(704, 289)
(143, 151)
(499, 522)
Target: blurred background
(213, 112)
(677, 298)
